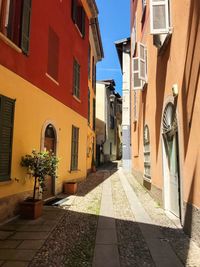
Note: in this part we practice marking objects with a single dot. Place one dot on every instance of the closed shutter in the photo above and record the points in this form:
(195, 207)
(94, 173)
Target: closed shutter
(159, 16)
(6, 136)
(83, 22)
(74, 148)
(26, 16)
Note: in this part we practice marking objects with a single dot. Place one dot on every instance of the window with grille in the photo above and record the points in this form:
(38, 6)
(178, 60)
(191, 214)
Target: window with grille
(7, 107)
(15, 18)
(74, 148)
(147, 158)
(76, 79)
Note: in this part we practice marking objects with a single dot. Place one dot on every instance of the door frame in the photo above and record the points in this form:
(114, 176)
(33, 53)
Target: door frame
(46, 123)
(165, 169)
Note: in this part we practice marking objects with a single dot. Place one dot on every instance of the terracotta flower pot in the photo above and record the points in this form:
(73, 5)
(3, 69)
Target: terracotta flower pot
(31, 209)
(70, 188)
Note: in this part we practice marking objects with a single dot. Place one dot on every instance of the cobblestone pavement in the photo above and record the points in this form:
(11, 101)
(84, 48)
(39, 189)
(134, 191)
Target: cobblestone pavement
(70, 241)
(186, 249)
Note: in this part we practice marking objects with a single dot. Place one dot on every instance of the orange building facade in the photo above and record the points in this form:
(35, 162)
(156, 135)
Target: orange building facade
(165, 101)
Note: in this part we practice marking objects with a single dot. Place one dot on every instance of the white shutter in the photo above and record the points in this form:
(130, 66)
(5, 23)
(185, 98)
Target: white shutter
(142, 61)
(137, 82)
(159, 16)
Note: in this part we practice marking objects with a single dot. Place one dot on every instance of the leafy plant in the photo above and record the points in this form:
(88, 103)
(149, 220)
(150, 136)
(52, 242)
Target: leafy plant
(39, 165)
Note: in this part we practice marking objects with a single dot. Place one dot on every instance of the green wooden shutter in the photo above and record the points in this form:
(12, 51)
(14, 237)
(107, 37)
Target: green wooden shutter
(74, 148)
(7, 106)
(26, 16)
(83, 22)
(74, 10)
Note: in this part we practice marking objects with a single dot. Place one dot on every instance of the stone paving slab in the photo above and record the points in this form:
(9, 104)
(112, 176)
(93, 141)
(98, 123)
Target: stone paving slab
(106, 236)
(31, 244)
(5, 234)
(35, 228)
(15, 264)
(106, 250)
(30, 235)
(10, 243)
(15, 254)
(106, 222)
(105, 256)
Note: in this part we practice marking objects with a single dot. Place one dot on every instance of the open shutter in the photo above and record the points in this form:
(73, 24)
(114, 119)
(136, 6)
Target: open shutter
(137, 82)
(142, 61)
(83, 22)
(159, 16)
(74, 10)
(6, 136)
(26, 16)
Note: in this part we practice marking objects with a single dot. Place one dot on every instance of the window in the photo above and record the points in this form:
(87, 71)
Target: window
(78, 16)
(74, 148)
(7, 107)
(159, 16)
(147, 163)
(76, 79)
(53, 54)
(88, 106)
(112, 122)
(15, 22)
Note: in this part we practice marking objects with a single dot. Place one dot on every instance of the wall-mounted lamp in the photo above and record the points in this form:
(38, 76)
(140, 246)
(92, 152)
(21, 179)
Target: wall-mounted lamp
(175, 89)
(112, 98)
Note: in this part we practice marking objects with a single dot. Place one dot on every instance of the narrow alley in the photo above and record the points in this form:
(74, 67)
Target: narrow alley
(111, 221)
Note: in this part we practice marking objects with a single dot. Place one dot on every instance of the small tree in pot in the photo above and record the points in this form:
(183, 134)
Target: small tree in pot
(39, 165)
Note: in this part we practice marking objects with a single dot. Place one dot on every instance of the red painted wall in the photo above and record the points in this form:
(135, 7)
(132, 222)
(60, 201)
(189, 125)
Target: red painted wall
(56, 14)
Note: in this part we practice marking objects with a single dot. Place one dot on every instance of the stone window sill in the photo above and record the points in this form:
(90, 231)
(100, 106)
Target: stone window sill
(10, 43)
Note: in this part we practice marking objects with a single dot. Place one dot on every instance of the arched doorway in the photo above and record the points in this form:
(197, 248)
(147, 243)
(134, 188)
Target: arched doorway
(49, 144)
(171, 171)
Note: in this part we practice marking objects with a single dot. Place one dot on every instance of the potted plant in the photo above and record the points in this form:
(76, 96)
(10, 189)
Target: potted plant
(38, 165)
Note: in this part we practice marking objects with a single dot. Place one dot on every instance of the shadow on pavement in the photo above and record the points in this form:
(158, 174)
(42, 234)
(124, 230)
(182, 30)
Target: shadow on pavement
(72, 242)
(103, 172)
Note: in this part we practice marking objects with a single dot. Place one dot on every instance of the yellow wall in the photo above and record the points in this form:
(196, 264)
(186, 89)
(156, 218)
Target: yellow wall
(33, 107)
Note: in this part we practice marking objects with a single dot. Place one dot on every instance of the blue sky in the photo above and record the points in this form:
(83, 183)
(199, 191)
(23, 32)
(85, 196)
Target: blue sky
(114, 20)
